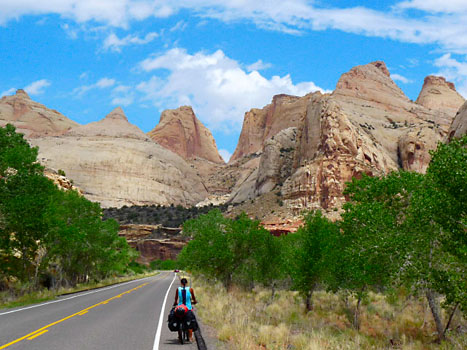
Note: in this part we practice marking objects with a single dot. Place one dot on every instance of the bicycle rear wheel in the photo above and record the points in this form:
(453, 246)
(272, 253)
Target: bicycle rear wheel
(181, 335)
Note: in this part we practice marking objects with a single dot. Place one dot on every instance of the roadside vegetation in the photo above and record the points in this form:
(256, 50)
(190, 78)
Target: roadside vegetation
(390, 273)
(9, 300)
(50, 238)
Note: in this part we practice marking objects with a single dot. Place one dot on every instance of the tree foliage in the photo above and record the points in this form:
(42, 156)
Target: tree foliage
(311, 252)
(45, 231)
(402, 229)
(233, 251)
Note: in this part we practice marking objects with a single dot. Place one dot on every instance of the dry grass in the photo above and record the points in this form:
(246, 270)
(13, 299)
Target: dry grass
(20, 295)
(256, 321)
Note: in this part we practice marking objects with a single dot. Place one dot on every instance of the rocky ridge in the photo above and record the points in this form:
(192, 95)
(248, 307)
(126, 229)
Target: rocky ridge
(31, 118)
(295, 153)
(180, 131)
(116, 164)
(459, 125)
(367, 125)
(439, 94)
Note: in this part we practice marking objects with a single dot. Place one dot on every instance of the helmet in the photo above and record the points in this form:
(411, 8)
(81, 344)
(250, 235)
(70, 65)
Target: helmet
(181, 310)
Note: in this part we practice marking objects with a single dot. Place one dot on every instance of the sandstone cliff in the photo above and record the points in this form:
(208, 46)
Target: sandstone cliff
(439, 94)
(61, 181)
(181, 132)
(261, 124)
(459, 125)
(31, 118)
(153, 241)
(116, 164)
(367, 125)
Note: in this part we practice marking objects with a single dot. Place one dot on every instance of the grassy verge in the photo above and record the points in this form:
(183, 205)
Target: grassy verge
(10, 300)
(257, 321)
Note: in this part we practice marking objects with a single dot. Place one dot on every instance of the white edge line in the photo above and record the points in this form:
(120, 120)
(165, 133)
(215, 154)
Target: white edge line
(157, 338)
(74, 296)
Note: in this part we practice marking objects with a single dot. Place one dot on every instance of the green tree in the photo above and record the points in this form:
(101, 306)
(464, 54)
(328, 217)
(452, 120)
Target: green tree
(409, 229)
(236, 251)
(309, 254)
(208, 252)
(373, 242)
(24, 192)
(80, 242)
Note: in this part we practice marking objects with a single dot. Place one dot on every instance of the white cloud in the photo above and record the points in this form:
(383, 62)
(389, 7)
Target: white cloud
(122, 101)
(8, 92)
(218, 88)
(401, 78)
(179, 26)
(258, 65)
(122, 95)
(442, 23)
(445, 6)
(105, 83)
(453, 70)
(71, 32)
(114, 43)
(225, 154)
(102, 83)
(37, 87)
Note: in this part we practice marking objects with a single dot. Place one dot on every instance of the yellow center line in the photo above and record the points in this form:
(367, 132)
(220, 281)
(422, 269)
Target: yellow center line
(44, 329)
(38, 334)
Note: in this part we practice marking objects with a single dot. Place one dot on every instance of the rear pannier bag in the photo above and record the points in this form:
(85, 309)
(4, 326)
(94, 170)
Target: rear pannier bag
(172, 321)
(190, 321)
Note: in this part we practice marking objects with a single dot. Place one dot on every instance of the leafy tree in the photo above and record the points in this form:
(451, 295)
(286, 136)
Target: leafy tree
(373, 243)
(208, 253)
(310, 250)
(233, 251)
(80, 242)
(409, 229)
(24, 191)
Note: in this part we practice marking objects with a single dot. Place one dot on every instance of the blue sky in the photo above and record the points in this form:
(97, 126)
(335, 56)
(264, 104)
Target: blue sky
(85, 57)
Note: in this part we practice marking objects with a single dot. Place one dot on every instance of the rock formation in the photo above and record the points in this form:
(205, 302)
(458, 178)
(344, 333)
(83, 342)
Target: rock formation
(414, 148)
(439, 94)
(31, 118)
(366, 126)
(181, 132)
(343, 151)
(295, 153)
(116, 164)
(459, 125)
(153, 242)
(261, 124)
(61, 181)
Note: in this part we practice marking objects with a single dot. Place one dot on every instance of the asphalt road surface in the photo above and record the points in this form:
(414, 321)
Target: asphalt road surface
(126, 316)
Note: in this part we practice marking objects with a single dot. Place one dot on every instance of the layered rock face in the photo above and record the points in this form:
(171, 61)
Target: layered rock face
(61, 181)
(153, 241)
(342, 151)
(31, 118)
(181, 132)
(366, 126)
(116, 164)
(261, 124)
(459, 125)
(439, 94)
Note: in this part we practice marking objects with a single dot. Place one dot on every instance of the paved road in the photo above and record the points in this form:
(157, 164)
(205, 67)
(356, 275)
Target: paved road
(124, 316)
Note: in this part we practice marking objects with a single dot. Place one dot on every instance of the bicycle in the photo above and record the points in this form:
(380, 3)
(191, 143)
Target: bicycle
(183, 333)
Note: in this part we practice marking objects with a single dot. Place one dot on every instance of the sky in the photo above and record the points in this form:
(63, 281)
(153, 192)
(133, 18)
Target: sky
(86, 57)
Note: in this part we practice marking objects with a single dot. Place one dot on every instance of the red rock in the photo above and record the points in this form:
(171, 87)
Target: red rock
(181, 132)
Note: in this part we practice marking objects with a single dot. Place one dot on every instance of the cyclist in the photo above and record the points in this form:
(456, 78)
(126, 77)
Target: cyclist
(186, 296)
